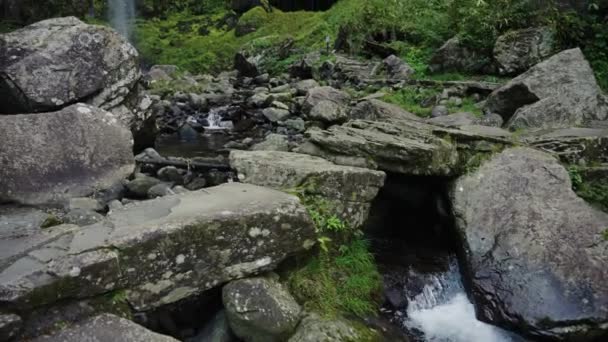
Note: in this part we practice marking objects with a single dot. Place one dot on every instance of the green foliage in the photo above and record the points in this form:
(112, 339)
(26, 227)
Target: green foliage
(337, 282)
(412, 98)
(590, 32)
(605, 234)
(592, 190)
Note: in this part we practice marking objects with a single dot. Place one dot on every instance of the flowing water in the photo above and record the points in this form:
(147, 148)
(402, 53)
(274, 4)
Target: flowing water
(441, 311)
(121, 14)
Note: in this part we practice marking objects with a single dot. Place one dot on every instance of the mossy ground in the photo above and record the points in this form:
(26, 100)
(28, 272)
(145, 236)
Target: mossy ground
(592, 190)
(412, 98)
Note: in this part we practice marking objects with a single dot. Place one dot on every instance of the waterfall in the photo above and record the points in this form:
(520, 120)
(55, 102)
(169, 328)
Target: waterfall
(121, 14)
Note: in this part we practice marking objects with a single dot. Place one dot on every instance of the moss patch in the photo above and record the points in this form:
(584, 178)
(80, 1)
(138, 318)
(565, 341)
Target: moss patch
(412, 100)
(592, 190)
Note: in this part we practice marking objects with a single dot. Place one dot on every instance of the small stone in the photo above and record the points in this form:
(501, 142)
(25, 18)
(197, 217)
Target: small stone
(439, 111)
(115, 205)
(275, 114)
(297, 125)
(171, 174)
(85, 203)
(160, 190)
(51, 221)
(138, 188)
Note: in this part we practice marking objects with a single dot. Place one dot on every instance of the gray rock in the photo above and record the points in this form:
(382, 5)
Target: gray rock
(160, 190)
(535, 251)
(139, 187)
(302, 87)
(216, 330)
(171, 174)
(455, 56)
(161, 73)
(516, 51)
(297, 124)
(576, 145)
(320, 94)
(15, 221)
(82, 217)
(84, 149)
(454, 120)
(10, 324)
(260, 310)
(410, 147)
(259, 100)
(378, 110)
(59, 61)
(273, 142)
(159, 251)
(439, 111)
(105, 327)
(279, 105)
(275, 114)
(280, 89)
(313, 328)
(557, 93)
(114, 205)
(397, 68)
(85, 203)
(283, 170)
(491, 120)
(180, 189)
(328, 112)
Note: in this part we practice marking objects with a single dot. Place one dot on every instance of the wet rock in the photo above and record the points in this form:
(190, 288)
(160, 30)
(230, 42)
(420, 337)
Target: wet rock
(557, 93)
(378, 110)
(313, 328)
(60, 61)
(171, 174)
(10, 324)
(516, 51)
(455, 56)
(439, 111)
(82, 217)
(122, 252)
(273, 142)
(105, 327)
(160, 190)
(15, 221)
(283, 170)
(260, 309)
(138, 187)
(85, 149)
(275, 114)
(397, 68)
(196, 184)
(535, 251)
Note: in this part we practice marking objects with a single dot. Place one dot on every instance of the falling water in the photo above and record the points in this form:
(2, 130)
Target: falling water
(121, 14)
(443, 313)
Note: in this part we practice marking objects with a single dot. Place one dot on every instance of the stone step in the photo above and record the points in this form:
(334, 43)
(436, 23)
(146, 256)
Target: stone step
(158, 251)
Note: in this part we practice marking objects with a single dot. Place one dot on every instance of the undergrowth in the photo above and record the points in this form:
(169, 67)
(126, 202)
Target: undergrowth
(341, 277)
(413, 99)
(594, 191)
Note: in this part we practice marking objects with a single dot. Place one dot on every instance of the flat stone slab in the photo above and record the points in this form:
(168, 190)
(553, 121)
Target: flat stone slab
(159, 251)
(575, 145)
(105, 328)
(404, 146)
(350, 189)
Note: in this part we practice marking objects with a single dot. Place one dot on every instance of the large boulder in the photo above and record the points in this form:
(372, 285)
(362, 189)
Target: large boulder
(57, 62)
(348, 190)
(314, 328)
(378, 110)
(454, 55)
(536, 253)
(556, 93)
(158, 251)
(326, 104)
(51, 157)
(105, 327)
(575, 145)
(516, 51)
(409, 147)
(260, 309)
(397, 68)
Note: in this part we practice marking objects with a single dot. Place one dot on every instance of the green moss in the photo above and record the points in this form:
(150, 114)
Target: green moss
(114, 302)
(337, 282)
(411, 99)
(51, 221)
(605, 234)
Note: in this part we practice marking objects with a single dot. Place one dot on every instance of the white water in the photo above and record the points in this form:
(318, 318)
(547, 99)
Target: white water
(443, 312)
(121, 14)
(215, 119)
